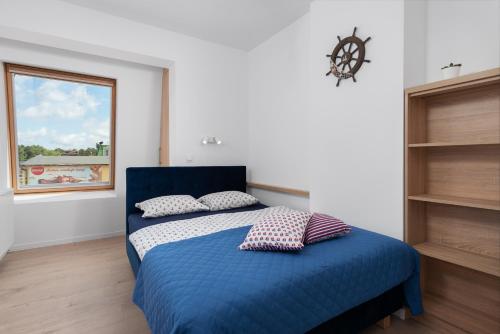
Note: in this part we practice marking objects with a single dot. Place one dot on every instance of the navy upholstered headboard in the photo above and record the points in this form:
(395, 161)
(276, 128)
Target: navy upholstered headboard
(148, 182)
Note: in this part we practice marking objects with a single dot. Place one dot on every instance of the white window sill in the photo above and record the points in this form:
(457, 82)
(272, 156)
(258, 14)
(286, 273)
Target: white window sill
(63, 196)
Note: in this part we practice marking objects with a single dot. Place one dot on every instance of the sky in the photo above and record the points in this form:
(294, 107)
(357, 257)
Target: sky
(61, 114)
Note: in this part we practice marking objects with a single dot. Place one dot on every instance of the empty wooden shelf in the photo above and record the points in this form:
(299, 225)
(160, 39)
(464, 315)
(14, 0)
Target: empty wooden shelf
(440, 144)
(465, 259)
(475, 321)
(460, 201)
(452, 198)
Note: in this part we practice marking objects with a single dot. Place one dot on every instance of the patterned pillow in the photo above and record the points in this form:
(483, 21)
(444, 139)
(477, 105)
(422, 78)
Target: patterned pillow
(322, 227)
(227, 200)
(278, 232)
(170, 205)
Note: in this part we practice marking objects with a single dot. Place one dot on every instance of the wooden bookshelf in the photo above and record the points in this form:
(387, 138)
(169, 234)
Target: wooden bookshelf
(452, 198)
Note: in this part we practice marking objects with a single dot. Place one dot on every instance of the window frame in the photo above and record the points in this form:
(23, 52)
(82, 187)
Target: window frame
(9, 71)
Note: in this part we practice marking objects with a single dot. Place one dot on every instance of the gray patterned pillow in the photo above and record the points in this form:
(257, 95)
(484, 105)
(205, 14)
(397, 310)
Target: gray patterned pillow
(170, 205)
(227, 200)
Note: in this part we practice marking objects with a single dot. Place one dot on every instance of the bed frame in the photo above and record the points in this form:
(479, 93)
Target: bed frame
(148, 182)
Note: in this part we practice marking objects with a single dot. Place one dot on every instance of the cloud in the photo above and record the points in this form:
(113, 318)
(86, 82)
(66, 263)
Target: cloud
(70, 140)
(93, 132)
(22, 82)
(58, 98)
(32, 136)
(98, 129)
(23, 86)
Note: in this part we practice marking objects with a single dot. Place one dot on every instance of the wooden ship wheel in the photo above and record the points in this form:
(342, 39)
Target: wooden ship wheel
(347, 57)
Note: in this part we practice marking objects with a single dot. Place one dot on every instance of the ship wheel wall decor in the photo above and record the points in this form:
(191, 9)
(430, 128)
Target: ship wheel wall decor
(347, 57)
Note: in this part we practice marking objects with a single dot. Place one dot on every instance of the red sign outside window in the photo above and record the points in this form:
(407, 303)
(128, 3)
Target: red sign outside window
(37, 170)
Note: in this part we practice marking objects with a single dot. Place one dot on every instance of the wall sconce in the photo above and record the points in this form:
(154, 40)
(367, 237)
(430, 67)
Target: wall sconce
(211, 140)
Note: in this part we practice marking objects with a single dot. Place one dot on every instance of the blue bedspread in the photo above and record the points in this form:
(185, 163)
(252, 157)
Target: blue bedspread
(207, 285)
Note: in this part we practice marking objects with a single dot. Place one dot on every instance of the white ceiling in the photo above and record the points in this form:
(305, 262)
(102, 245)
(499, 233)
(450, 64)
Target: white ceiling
(242, 24)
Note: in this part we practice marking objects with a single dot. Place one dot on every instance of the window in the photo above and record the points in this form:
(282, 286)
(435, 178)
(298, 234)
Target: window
(62, 128)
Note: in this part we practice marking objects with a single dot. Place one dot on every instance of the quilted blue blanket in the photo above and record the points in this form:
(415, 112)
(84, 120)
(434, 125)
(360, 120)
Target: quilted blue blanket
(207, 285)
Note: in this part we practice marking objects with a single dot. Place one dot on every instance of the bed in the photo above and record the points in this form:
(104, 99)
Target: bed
(206, 285)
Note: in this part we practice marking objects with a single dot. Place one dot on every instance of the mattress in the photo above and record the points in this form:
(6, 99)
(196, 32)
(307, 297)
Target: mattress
(206, 285)
(136, 222)
(149, 237)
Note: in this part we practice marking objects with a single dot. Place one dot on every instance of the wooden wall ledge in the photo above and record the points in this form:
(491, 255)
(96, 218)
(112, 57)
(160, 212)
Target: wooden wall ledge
(284, 190)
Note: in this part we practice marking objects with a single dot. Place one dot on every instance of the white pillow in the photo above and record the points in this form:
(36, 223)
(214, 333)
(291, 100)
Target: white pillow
(227, 200)
(170, 205)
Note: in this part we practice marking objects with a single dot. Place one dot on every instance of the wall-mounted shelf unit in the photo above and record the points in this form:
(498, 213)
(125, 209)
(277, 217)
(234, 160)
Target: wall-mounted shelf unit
(452, 198)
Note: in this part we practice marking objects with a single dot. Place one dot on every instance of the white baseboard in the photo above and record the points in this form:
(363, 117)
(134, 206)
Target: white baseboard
(31, 245)
(2, 255)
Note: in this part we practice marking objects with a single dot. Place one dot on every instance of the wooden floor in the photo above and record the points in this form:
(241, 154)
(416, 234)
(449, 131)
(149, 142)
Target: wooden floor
(84, 288)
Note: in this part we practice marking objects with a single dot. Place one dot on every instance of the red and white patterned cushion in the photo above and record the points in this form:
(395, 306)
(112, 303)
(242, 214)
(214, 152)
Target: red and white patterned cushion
(278, 232)
(227, 200)
(323, 227)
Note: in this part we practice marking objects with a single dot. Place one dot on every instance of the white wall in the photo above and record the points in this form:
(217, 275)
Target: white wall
(356, 142)
(343, 144)
(208, 97)
(209, 80)
(278, 97)
(466, 32)
(7, 221)
(4, 143)
(45, 220)
(415, 42)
